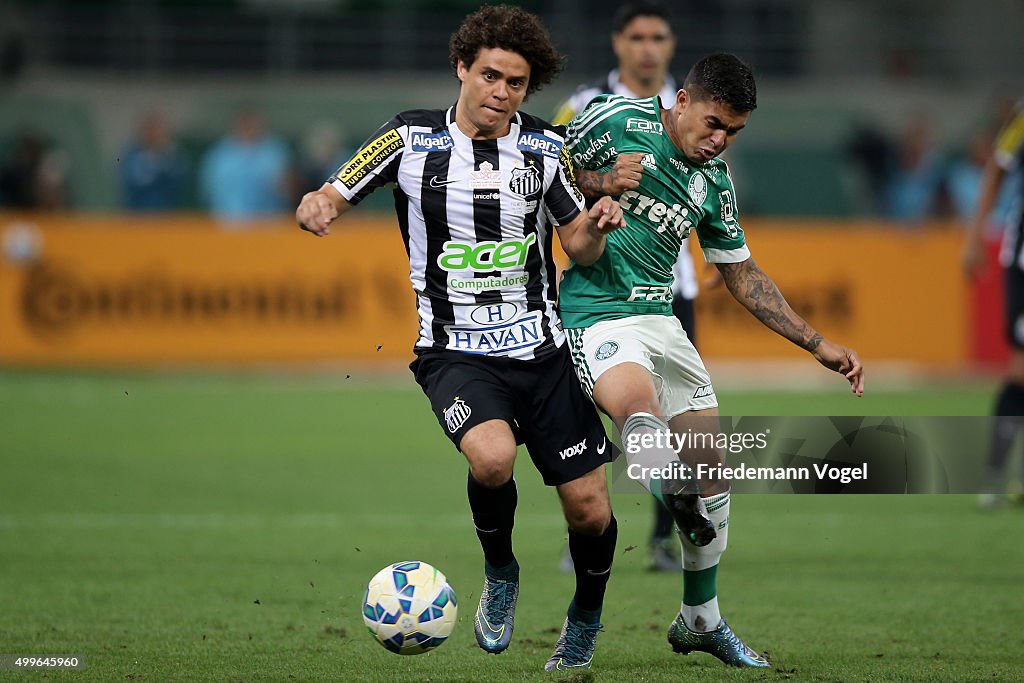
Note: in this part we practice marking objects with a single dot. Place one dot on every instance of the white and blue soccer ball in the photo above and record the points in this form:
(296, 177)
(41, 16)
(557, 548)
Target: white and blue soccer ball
(409, 607)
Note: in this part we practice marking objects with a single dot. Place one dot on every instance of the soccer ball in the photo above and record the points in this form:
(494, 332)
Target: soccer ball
(409, 607)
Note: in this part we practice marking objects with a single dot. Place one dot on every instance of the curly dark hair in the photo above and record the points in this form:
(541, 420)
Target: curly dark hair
(724, 78)
(508, 28)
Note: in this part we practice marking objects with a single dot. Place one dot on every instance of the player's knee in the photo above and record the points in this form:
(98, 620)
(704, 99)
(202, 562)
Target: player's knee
(632, 406)
(621, 394)
(589, 516)
(491, 473)
(490, 449)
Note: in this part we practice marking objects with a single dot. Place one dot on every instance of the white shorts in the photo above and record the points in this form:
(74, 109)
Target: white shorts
(658, 343)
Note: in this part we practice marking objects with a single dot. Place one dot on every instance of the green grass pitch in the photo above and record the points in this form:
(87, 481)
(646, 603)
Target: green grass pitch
(223, 527)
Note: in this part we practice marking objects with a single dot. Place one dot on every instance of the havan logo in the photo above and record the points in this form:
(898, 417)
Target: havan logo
(522, 333)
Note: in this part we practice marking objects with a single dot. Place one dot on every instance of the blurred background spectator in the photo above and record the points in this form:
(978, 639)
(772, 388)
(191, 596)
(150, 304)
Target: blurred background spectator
(869, 150)
(321, 152)
(246, 173)
(913, 186)
(34, 175)
(154, 173)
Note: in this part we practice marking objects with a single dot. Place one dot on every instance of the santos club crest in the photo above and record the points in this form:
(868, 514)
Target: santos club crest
(456, 414)
(525, 181)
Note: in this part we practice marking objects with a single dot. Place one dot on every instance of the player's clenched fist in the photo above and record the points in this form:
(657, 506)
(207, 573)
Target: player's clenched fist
(625, 174)
(607, 215)
(316, 212)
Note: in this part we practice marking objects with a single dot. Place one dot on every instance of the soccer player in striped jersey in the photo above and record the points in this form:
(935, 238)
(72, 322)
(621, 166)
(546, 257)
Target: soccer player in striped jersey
(630, 352)
(1008, 159)
(479, 189)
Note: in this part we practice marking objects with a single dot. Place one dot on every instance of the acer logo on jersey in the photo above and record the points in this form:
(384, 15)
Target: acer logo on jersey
(485, 256)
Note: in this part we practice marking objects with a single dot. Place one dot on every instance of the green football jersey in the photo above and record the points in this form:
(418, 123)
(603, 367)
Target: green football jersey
(634, 274)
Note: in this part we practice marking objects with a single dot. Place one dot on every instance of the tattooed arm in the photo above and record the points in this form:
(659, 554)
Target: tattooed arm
(624, 175)
(752, 287)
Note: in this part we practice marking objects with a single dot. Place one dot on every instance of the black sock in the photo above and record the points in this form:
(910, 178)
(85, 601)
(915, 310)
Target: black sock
(494, 512)
(1009, 409)
(662, 522)
(592, 557)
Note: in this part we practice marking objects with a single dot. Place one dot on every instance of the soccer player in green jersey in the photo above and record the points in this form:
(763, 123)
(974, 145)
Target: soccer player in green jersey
(630, 352)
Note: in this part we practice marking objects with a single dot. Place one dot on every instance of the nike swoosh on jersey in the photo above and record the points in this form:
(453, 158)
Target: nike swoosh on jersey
(435, 182)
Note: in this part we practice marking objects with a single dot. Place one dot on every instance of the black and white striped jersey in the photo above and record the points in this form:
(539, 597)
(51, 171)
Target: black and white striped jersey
(1009, 154)
(476, 217)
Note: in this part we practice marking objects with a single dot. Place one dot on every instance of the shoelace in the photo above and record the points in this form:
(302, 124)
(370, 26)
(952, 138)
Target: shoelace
(579, 641)
(499, 594)
(734, 639)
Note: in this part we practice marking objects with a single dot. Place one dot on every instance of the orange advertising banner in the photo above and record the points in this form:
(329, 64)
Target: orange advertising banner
(890, 291)
(125, 290)
(134, 291)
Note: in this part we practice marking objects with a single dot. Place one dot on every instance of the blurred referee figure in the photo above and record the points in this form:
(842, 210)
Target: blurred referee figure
(644, 45)
(1007, 159)
(478, 187)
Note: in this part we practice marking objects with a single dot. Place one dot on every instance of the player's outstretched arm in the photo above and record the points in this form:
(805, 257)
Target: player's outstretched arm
(583, 238)
(318, 209)
(624, 175)
(973, 255)
(758, 293)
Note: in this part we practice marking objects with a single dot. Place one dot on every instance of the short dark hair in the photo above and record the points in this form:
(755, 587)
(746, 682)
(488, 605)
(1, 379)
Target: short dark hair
(508, 28)
(640, 8)
(724, 78)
